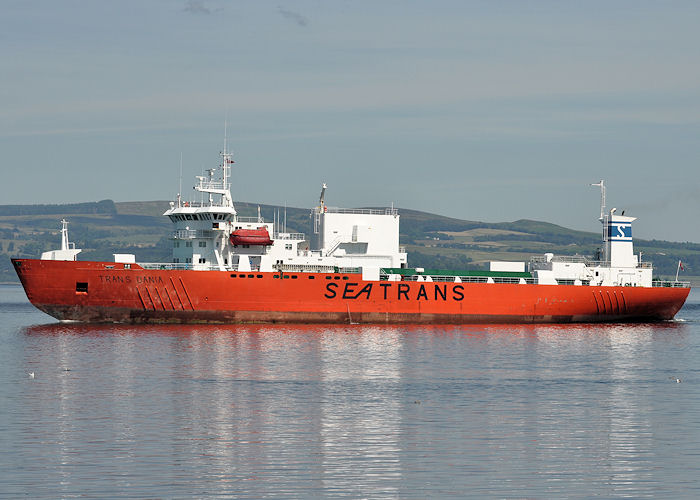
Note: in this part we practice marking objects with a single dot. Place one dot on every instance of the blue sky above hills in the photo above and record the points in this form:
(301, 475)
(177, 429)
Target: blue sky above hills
(490, 111)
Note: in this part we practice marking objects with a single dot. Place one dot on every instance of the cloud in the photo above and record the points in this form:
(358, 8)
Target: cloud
(293, 16)
(196, 7)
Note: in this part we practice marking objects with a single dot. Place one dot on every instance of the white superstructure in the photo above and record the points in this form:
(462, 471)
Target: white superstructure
(342, 238)
(67, 250)
(618, 264)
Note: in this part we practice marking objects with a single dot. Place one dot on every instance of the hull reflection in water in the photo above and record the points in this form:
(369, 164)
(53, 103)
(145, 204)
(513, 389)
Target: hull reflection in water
(252, 411)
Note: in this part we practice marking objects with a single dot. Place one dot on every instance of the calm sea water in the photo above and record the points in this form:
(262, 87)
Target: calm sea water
(347, 411)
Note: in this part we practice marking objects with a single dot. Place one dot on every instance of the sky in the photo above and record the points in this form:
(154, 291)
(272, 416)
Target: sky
(481, 110)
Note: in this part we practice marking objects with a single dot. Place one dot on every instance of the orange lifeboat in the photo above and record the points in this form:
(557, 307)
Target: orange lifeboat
(258, 236)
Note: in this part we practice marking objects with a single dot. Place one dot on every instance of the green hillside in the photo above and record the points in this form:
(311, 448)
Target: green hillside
(432, 241)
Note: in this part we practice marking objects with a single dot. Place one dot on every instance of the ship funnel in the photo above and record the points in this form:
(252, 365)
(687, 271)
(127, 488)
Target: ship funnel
(620, 249)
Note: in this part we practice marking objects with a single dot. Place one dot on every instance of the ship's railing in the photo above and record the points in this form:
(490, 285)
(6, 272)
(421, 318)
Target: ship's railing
(366, 211)
(463, 279)
(211, 185)
(402, 249)
(670, 284)
(178, 266)
(289, 236)
(248, 219)
(201, 204)
(333, 246)
(304, 268)
(570, 258)
(188, 234)
(541, 259)
(606, 263)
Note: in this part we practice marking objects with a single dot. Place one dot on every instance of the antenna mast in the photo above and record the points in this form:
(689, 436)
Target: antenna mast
(179, 193)
(322, 200)
(64, 235)
(601, 184)
(226, 156)
(604, 219)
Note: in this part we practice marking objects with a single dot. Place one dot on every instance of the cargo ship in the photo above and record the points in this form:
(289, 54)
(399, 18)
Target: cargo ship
(226, 268)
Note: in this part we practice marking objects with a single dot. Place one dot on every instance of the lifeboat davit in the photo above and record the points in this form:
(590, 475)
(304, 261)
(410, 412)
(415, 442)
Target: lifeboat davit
(258, 236)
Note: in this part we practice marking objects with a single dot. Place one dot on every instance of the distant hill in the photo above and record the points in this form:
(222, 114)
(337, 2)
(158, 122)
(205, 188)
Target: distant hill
(98, 207)
(432, 241)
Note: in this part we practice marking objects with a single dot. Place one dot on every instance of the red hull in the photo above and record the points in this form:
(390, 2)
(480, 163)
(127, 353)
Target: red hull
(107, 292)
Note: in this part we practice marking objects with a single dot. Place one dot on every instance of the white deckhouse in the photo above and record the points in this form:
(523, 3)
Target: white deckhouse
(211, 235)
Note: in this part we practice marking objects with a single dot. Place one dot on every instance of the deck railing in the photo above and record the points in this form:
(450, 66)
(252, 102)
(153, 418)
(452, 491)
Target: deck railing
(366, 211)
(463, 279)
(289, 236)
(541, 259)
(670, 284)
(179, 266)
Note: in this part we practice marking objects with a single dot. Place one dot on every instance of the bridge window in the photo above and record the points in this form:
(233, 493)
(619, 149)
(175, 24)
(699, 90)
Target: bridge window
(202, 243)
